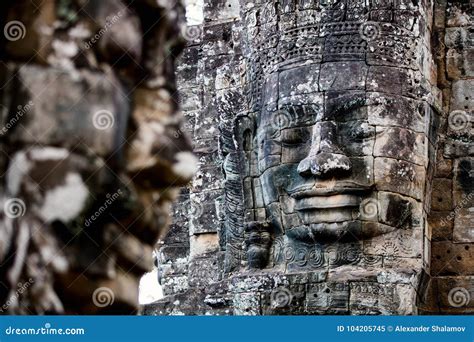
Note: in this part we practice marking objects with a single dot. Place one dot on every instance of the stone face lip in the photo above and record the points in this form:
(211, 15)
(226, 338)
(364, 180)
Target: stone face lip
(326, 232)
(332, 188)
(326, 202)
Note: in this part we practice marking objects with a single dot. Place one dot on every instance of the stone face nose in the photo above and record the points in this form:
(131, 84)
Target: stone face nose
(325, 164)
(325, 157)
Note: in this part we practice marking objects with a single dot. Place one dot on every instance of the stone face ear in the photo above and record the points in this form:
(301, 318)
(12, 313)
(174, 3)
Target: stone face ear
(258, 242)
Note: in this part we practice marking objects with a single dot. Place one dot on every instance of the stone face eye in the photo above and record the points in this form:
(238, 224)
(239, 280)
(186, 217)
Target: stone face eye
(360, 133)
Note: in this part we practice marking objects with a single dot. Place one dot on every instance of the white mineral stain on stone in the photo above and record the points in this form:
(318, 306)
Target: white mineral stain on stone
(21, 164)
(65, 202)
(186, 164)
(18, 168)
(49, 153)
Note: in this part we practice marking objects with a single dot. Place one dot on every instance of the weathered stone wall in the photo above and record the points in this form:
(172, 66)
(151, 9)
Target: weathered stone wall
(424, 267)
(451, 220)
(92, 150)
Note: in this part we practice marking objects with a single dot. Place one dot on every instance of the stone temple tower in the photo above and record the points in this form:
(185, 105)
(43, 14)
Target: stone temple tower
(335, 152)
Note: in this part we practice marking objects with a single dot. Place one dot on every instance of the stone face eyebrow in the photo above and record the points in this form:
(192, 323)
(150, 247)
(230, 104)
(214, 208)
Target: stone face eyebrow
(343, 107)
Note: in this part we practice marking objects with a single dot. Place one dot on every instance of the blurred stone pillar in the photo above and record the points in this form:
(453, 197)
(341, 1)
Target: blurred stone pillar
(92, 150)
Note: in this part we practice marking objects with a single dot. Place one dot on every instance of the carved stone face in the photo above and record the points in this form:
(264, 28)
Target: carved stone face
(340, 163)
(345, 132)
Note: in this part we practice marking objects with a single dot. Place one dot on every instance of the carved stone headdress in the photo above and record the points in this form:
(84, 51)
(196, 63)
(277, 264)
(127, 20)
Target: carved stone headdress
(279, 35)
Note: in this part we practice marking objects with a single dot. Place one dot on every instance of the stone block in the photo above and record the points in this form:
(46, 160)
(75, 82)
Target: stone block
(451, 258)
(203, 243)
(343, 76)
(455, 294)
(221, 11)
(440, 225)
(301, 80)
(202, 211)
(463, 183)
(399, 243)
(462, 95)
(463, 225)
(327, 298)
(246, 304)
(377, 79)
(399, 176)
(399, 211)
(390, 110)
(401, 144)
(441, 195)
(204, 270)
(370, 298)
